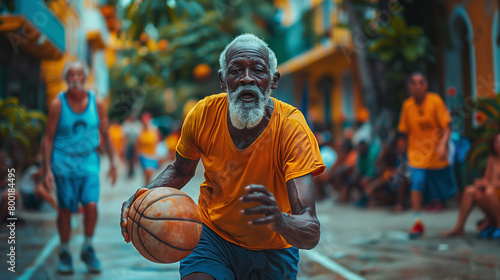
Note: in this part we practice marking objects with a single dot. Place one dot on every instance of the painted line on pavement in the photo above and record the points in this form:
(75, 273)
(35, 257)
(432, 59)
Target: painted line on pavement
(46, 251)
(331, 265)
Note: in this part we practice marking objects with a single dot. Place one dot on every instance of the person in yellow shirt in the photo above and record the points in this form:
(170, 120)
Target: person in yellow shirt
(426, 122)
(257, 202)
(117, 138)
(146, 147)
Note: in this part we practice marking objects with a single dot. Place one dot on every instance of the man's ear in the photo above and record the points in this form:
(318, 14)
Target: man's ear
(275, 80)
(222, 82)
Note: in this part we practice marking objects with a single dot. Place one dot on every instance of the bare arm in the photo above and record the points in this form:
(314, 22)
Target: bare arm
(487, 173)
(442, 147)
(48, 141)
(446, 137)
(176, 175)
(300, 229)
(104, 131)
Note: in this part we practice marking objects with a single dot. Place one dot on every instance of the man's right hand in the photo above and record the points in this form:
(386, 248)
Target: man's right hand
(125, 208)
(48, 181)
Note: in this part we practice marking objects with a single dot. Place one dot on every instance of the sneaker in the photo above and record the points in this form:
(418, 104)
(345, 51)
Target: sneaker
(485, 233)
(417, 230)
(495, 234)
(89, 258)
(65, 263)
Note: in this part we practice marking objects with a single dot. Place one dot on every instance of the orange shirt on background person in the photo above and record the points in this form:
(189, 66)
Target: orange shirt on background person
(117, 137)
(147, 140)
(352, 158)
(424, 124)
(285, 150)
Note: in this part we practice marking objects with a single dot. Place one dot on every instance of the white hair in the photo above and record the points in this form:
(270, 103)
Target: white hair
(252, 40)
(70, 64)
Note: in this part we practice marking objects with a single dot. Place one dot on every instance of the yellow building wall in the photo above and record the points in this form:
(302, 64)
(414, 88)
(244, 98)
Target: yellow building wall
(335, 65)
(481, 14)
(52, 69)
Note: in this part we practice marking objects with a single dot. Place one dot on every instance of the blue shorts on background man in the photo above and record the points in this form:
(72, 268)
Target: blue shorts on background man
(434, 184)
(227, 261)
(70, 191)
(148, 163)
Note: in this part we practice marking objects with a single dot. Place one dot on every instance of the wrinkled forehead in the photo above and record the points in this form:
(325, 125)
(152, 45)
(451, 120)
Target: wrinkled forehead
(255, 52)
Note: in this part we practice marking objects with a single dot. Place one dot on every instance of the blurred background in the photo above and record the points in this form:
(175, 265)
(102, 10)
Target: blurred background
(343, 63)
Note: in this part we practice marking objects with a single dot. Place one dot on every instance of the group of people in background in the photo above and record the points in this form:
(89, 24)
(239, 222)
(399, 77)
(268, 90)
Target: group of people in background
(412, 168)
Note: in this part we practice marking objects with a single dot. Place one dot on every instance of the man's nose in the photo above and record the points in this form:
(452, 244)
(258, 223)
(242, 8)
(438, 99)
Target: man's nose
(247, 78)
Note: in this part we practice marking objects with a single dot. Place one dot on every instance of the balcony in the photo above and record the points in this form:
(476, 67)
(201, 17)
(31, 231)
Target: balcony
(318, 32)
(35, 29)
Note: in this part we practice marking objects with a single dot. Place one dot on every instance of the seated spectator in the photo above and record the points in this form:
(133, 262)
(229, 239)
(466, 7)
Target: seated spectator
(365, 171)
(33, 191)
(485, 192)
(329, 156)
(339, 174)
(392, 182)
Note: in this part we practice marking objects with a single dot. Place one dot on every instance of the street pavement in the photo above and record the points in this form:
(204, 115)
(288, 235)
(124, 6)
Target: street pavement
(355, 243)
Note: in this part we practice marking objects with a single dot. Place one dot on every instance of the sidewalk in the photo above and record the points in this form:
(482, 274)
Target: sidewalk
(355, 244)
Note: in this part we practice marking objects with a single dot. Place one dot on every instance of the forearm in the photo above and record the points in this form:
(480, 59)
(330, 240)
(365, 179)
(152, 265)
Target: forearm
(301, 231)
(47, 152)
(108, 146)
(171, 177)
(445, 138)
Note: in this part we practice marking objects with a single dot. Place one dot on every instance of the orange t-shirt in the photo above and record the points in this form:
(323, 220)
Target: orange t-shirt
(423, 124)
(116, 134)
(147, 141)
(285, 150)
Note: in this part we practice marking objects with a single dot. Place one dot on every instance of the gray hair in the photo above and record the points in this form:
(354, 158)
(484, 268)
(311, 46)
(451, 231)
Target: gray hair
(248, 39)
(74, 63)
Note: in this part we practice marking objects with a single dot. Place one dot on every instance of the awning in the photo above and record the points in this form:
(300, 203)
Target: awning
(23, 35)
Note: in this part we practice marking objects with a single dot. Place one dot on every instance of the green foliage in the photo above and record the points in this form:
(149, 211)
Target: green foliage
(20, 129)
(478, 155)
(196, 32)
(404, 48)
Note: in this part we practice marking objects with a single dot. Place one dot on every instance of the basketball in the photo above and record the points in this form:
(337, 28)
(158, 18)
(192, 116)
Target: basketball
(164, 225)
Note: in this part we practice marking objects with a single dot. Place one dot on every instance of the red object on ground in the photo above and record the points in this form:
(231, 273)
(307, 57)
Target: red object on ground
(418, 229)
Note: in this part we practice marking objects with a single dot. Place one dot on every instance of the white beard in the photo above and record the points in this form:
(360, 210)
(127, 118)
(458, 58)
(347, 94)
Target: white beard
(247, 115)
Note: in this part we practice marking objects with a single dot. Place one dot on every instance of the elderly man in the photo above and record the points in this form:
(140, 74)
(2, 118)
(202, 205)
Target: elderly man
(257, 203)
(75, 120)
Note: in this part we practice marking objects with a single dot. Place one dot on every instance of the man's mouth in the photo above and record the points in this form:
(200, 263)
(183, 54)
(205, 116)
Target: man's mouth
(248, 96)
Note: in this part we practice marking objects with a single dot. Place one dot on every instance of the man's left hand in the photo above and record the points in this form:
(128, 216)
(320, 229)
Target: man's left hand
(441, 151)
(112, 174)
(273, 217)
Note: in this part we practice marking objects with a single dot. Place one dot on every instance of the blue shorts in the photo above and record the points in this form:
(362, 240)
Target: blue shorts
(70, 191)
(148, 163)
(434, 184)
(224, 260)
